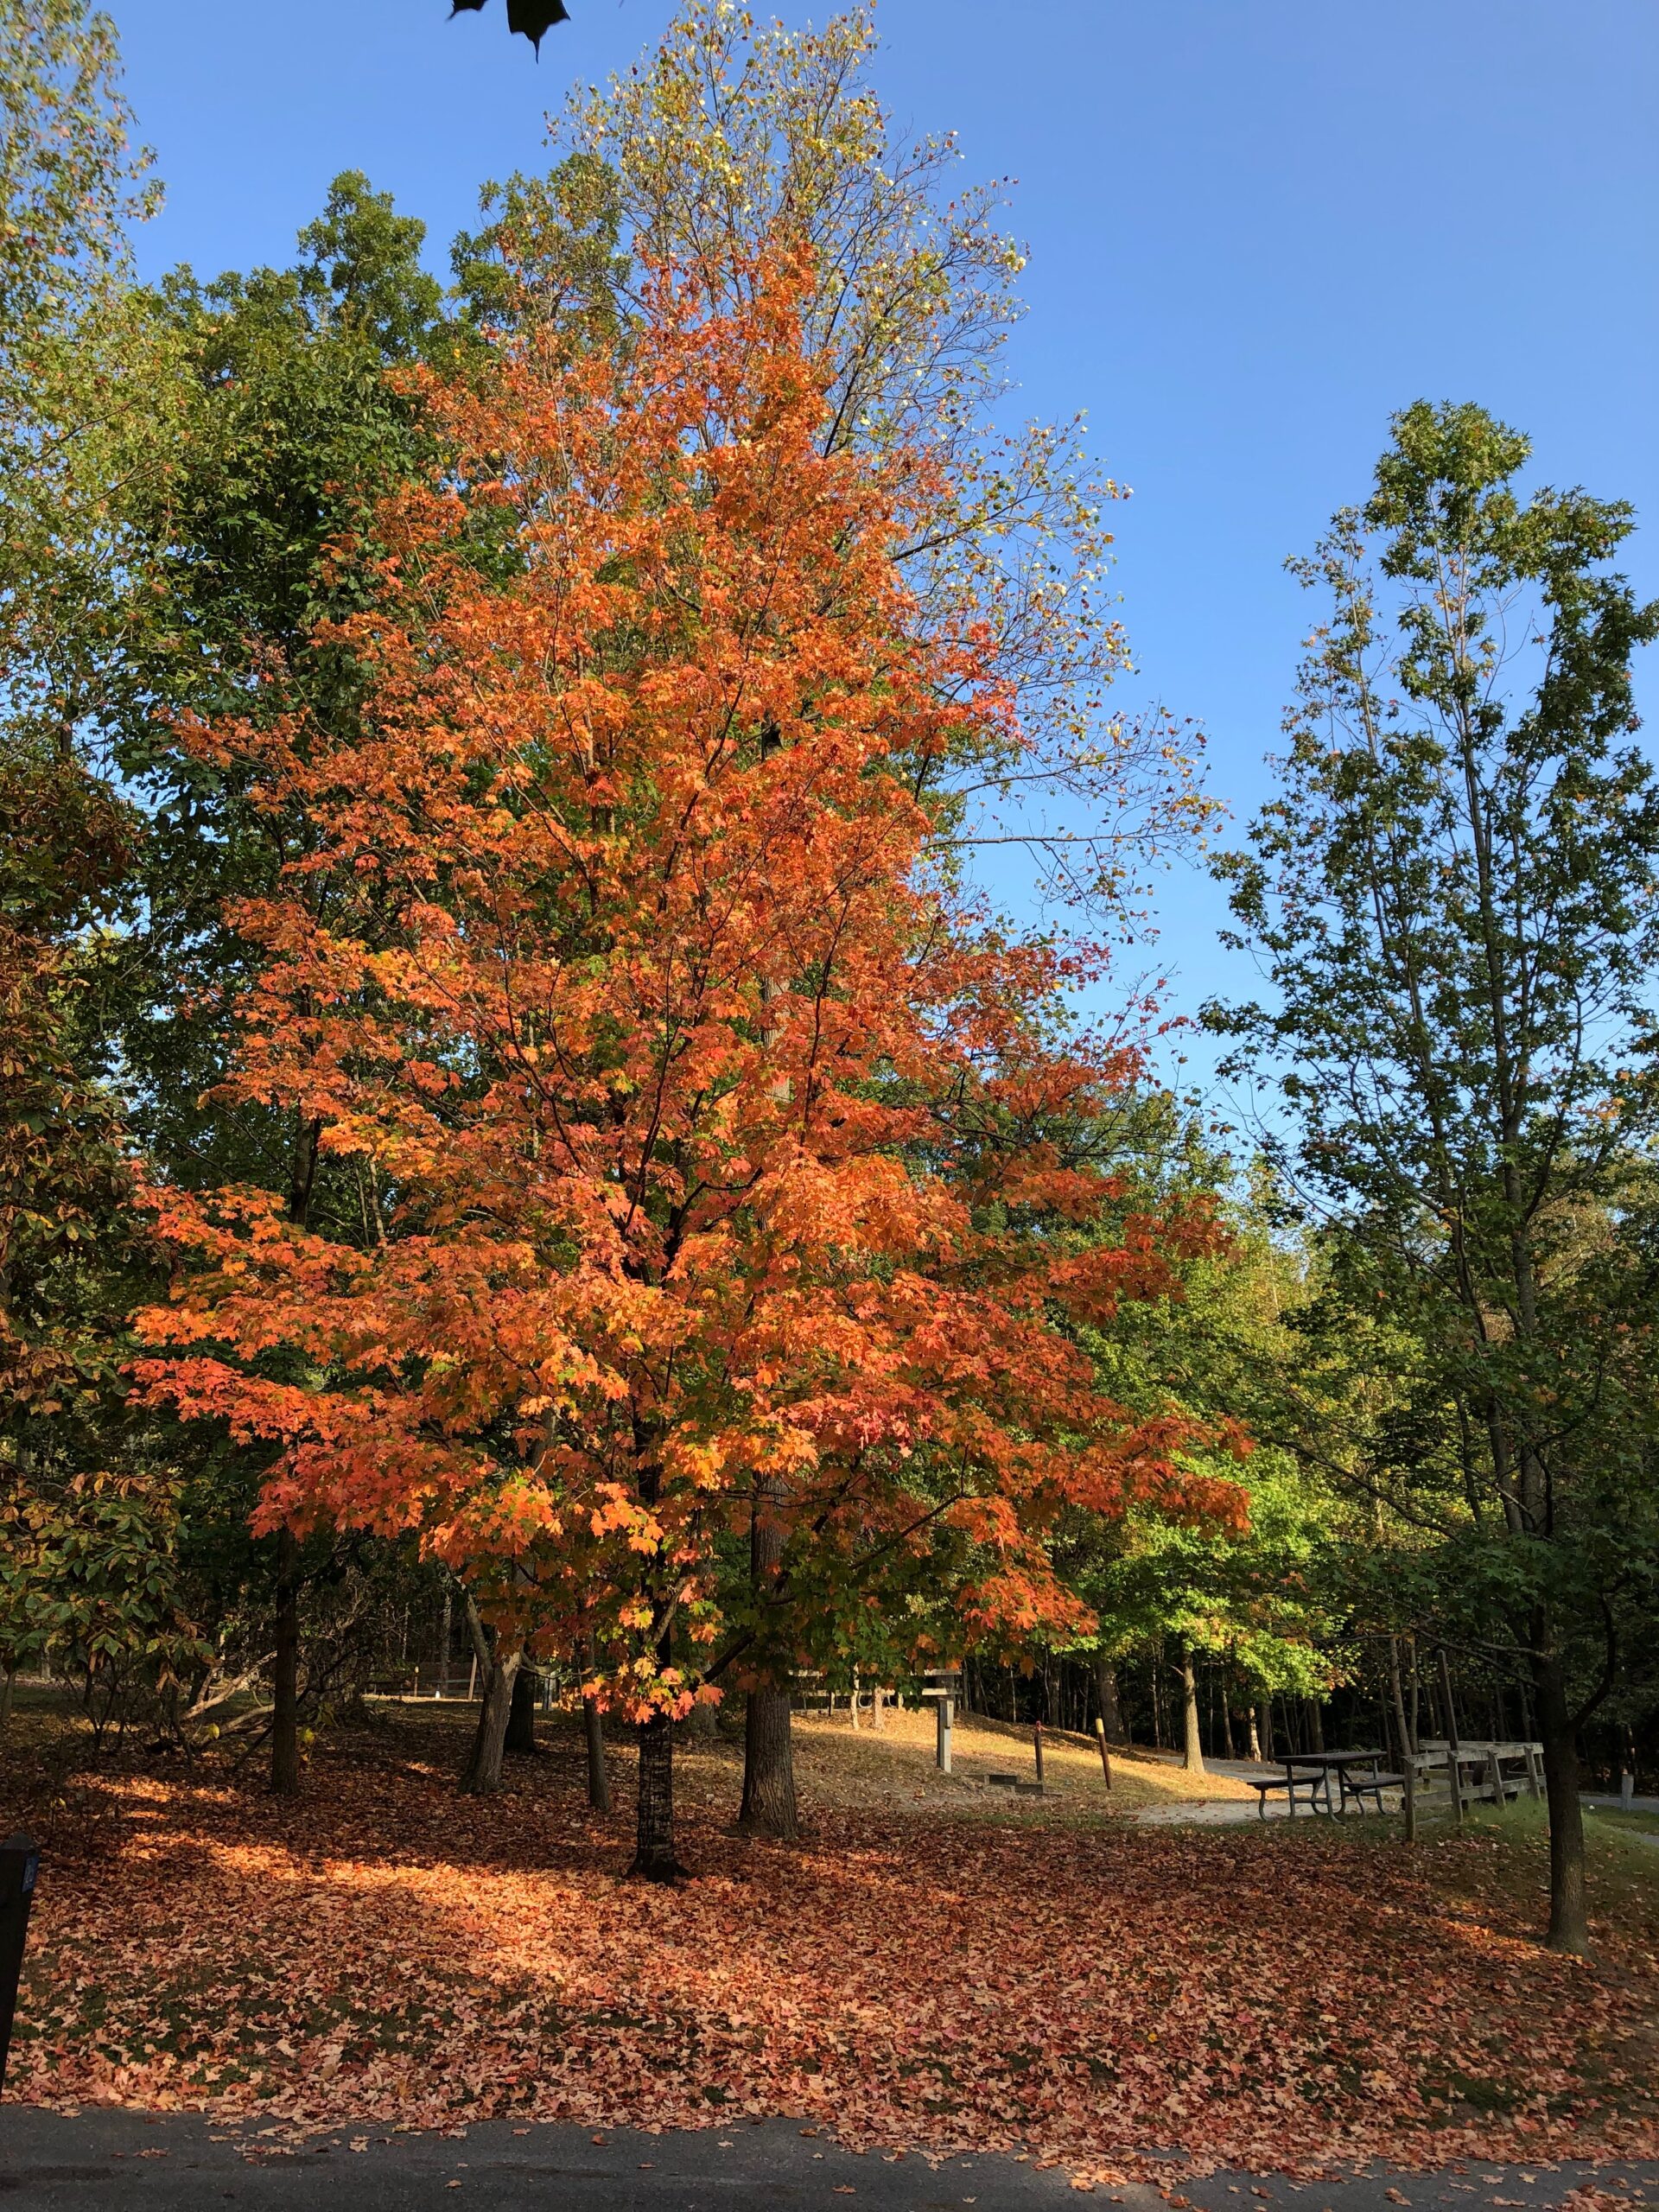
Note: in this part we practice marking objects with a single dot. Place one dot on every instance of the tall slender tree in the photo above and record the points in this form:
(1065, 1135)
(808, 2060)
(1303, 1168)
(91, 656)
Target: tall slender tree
(1455, 896)
(730, 139)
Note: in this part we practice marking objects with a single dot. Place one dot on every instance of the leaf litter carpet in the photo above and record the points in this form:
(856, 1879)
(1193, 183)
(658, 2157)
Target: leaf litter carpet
(385, 1953)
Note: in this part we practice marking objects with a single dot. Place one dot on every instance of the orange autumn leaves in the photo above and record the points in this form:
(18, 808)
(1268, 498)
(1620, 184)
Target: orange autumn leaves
(699, 1144)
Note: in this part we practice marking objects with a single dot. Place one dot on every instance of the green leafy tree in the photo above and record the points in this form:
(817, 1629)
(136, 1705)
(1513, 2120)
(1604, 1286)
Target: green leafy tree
(72, 1259)
(1258, 1603)
(278, 408)
(1453, 896)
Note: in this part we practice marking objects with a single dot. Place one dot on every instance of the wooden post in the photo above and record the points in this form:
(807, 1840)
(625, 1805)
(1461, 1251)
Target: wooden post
(942, 1752)
(1105, 1753)
(1410, 1770)
(1037, 1745)
(1535, 1771)
(1454, 1778)
(1495, 1776)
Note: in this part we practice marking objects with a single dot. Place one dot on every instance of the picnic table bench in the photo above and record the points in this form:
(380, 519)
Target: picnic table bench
(1312, 1784)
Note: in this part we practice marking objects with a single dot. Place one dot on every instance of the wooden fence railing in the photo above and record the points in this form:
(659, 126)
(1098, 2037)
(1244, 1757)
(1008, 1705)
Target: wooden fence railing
(1439, 1778)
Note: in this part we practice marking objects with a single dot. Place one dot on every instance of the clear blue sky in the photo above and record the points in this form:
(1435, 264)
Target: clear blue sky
(1257, 226)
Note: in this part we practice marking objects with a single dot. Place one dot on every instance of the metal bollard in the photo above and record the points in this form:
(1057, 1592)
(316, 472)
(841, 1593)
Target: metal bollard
(20, 1863)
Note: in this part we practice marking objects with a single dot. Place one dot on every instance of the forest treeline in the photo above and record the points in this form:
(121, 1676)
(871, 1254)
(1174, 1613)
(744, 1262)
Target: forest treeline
(521, 1134)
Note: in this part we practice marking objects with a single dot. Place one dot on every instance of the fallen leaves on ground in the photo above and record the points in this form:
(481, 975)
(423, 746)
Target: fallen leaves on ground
(386, 1952)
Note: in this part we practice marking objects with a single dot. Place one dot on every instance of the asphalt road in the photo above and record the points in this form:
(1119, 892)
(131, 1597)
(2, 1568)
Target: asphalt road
(50, 2163)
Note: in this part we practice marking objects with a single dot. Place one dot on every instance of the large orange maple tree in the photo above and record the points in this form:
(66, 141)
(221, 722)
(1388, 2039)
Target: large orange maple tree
(706, 1152)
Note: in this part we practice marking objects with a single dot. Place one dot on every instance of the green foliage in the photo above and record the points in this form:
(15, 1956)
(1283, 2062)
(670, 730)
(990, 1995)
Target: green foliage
(292, 409)
(89, 1584)
(1455, 897)
(1264, 1599)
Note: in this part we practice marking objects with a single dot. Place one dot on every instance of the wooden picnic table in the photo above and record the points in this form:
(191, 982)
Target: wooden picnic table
(1311, 1772)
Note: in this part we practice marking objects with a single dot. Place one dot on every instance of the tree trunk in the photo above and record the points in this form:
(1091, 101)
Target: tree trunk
(521, 1714)
(593, 1728)
(1569, 1925)
(1397, 1700)
(653, 1850)
(482, 1773)
(1315, 1724)
(1255, 1733)
(1193, 1757)
(1412, 1709)
(1408, 1747)
(1449, 1717)
(285, 1673)
(1111, 1711)
(769, 1808)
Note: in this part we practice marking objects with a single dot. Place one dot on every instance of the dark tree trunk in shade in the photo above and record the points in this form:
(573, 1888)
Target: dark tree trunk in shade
(521, 1713)
(1315, 1724)
(482, 1773)
(1264, 1727)
(599, 1780)
(1448, 1703)
(593, 1730)
(1403, 1732)
(1111, 1711)
(285, 1673)
(769, 1808)
(653, 1851)
(1569, 1925)
(1192, 1756)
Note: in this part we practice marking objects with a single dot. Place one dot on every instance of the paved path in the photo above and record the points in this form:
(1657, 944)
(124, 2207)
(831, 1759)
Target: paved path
(49, 2163)
(1223, 1812)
